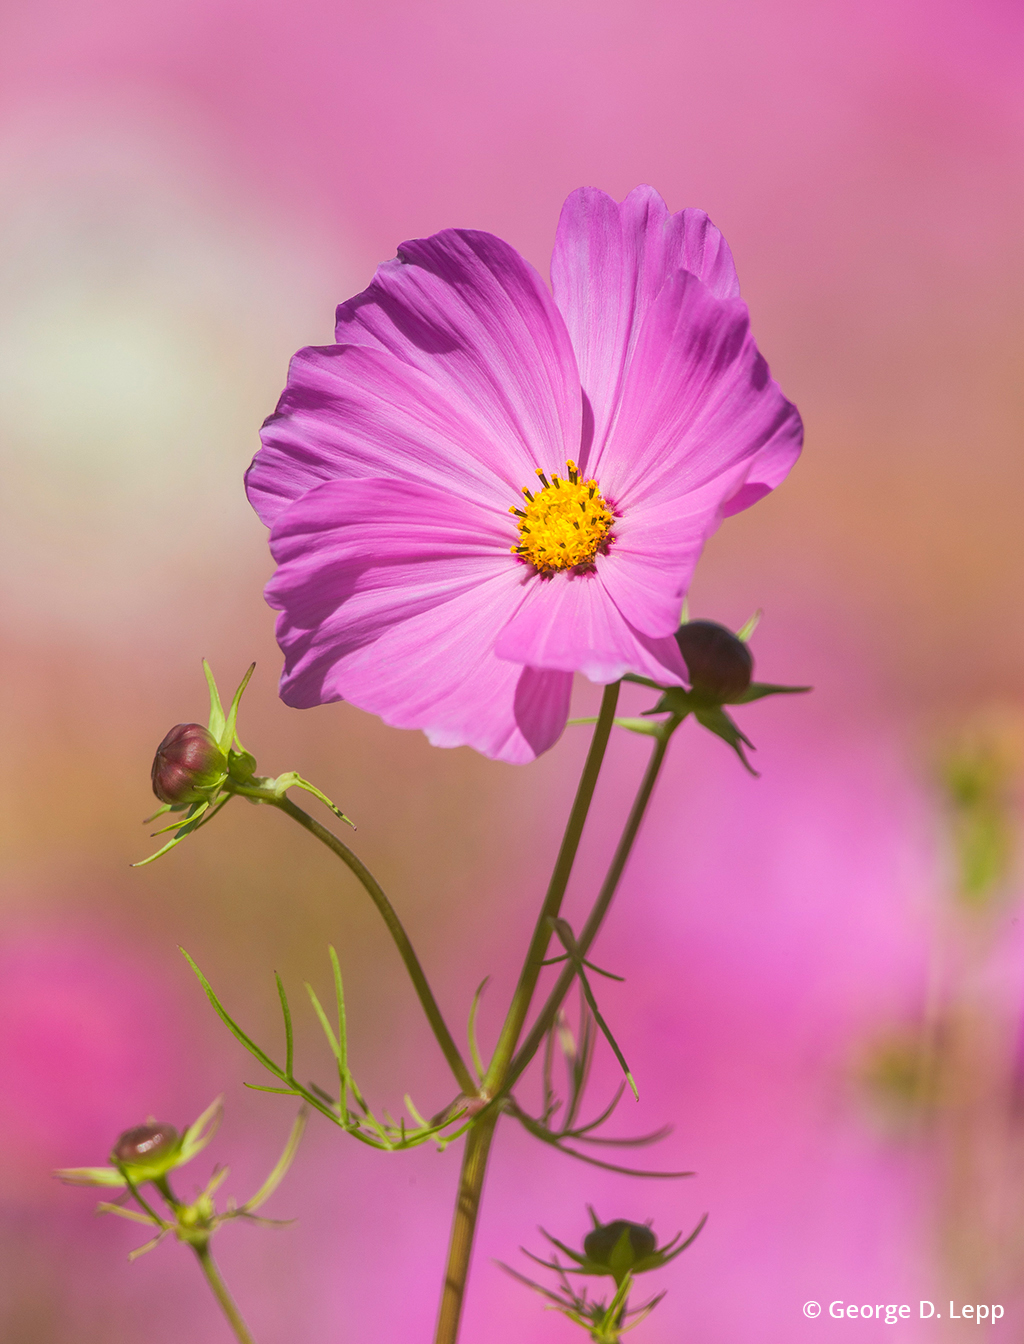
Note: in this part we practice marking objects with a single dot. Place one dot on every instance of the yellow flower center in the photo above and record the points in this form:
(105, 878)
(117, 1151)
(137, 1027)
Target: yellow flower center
(563, 525)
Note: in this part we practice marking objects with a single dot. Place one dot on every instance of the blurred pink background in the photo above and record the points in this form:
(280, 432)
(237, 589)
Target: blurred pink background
(185, 194)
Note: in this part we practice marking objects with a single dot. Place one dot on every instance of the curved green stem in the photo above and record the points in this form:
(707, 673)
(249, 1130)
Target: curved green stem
(494, 1080)
(401, 939)
(223, 1296)
(604, 899)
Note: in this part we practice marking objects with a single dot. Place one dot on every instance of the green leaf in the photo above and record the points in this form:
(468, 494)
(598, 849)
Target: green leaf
(745, 631)
(757, 690)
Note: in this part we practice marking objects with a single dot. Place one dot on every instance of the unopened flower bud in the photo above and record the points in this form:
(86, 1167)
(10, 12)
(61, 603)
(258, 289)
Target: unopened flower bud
(147, 1151)
(600, 1244)
(188, 765)
(719, 664)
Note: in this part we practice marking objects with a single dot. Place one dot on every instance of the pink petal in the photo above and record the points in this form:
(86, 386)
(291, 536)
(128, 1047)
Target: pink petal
(650, 566)
(391, 595)
(698, 405)
(349, 411)
(609, 264)
(467, 310)
(570, 622)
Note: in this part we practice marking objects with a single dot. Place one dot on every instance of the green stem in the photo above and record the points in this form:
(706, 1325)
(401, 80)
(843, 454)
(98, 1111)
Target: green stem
(478, 1142)
(401, 939)
(467, 1206)
(596, 917)
(220, 1292)
(520, 1006)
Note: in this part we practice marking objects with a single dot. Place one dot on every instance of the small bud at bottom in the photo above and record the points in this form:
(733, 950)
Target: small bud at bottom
(599, 1244)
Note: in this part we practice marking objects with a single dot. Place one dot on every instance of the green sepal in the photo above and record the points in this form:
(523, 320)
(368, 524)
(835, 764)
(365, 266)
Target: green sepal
(241, 766)
(291, 780)
(644, 726)
(745, 631)
(757, 690)
(716, 721)
(199, 815)
(216, 724)
(674, 700)
(201, 1131)
(230, 734)
(107, 1176)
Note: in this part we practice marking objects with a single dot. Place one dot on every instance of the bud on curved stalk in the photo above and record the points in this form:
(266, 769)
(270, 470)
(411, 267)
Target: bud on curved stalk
(188, 766)
(720, 664)
(720, 668)
(147, 1152)
(201, 769)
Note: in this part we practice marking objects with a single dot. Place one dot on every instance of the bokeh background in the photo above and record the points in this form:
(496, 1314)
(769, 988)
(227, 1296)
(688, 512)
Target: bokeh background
(822, 993)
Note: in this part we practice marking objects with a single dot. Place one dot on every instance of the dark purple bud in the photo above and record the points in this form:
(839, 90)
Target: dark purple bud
(719, 664)
(188, 765)
(599, 1244)
(145, 1144)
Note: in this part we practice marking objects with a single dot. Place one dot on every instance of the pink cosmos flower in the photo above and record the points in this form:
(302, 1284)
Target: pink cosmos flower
(482, 488)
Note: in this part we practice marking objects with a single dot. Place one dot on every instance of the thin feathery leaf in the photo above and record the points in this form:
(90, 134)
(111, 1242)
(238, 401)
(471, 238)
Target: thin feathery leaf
(233, 1026)
(474, 1045)
(339, 995)
(289, 1044)
(565, 933)
(641, 1141)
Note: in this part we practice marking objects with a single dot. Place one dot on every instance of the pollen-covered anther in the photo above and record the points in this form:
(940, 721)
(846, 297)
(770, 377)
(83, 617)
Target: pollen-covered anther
(565, 524)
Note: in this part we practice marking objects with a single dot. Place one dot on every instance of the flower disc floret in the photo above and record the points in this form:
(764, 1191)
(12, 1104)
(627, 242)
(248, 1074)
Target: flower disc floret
(565, 524)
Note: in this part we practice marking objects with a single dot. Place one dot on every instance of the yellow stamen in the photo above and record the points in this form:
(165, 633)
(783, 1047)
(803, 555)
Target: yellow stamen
(551, 533)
